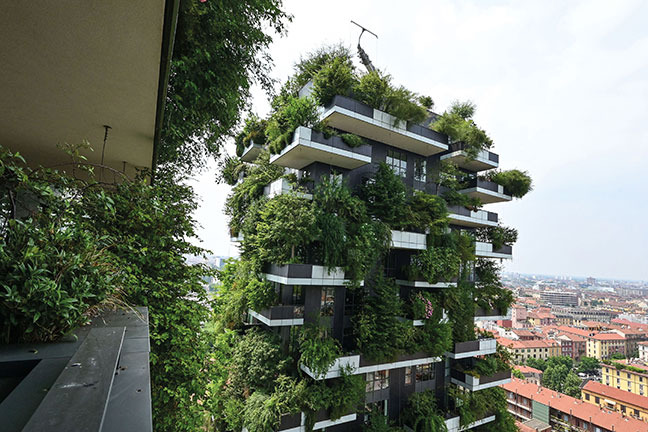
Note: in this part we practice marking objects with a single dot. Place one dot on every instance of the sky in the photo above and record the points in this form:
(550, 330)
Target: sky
(560, 86)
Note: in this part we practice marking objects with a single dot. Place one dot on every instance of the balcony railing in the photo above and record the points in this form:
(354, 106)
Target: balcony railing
(357, 364)
(460, 215)
(408, 240)
(491, 314)
(355, 117)
(297, 422)
(488, 192)
(473, 348)
(305, 274)
(485, 250)
(283, 186)
(454, 424)
(281, 315)
(483, 161)
(473, 383)
(309, 146)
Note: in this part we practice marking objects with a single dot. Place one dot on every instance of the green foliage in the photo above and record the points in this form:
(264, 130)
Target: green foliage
(249, 191)
(385, 196)
(517, 374)
(536, 363)
(516, 183)
(253, 132)
(572, 385)
(294, 112)
(473, 406)
(230, 169)
(379, 423)
(422, 413)
(617, 356)
(435, 264)
(489, 291)
(588, 365)
(380, 335)
(459, 304)
(210, 80)
(458, 124)
(334, 78)
(426, 211)
(499, 236)
(285, 223)
(318, 350)
(504, 421)
(375, 89)
(52, 266)
(263, 413)
(353, 140)
(558, 376)
(426, 101)
(309, 66)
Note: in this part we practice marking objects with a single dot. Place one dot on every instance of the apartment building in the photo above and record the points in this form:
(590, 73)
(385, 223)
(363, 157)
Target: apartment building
(521, 351)
(571, 345)
(603, 345)
(528, 401)
(627, 376)
(532, 375)
(559, 298)
(642, 347)
(612, 398)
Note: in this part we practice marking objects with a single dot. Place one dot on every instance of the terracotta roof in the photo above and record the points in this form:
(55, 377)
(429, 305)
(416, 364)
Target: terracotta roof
(645, 343)
(609, 336)
(571, 337)
(520, 344)
(617, 394)
(573, 330)
(523, 332)
(527, 369)
(578, 408)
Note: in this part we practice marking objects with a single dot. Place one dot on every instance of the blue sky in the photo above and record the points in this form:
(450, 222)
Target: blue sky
(561, 87)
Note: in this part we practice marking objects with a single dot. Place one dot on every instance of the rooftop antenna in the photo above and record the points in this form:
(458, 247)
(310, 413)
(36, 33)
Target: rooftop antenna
(364, 58)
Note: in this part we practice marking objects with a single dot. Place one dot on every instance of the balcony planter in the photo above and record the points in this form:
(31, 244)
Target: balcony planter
(487, 191)
(355, 117)
(305, 274)
(460, 215)
(282, 315)
(483, 161)
(251, 152)
(473, 383)
(473, 348)
(485, 250)
(454, 423)
(491, 314)
(309, 146)
(408, 240)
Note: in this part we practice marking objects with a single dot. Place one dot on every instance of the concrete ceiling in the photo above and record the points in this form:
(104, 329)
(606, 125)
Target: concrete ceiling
(69, 67)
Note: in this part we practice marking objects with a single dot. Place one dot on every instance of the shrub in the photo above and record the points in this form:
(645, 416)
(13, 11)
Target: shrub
(435, 264)
(457, 123)
(352, 140)
(425, 211)
(517, 183)
(309, 66)
(334, 78)
(318, 350)
(499, 236)
(293, 113)
(385, 196)
(253, 131)
(422, 413)
(230, 170)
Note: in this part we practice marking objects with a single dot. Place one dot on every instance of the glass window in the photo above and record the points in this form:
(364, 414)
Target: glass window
(597, 399)
(298, 295)
(420, 170)
(425, 372)
(586, 396)
(377, 381)
(328, 298)
(397, 161)
(408, 375)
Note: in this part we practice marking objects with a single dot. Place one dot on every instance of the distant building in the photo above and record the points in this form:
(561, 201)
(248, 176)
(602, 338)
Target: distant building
(591, 281)
(532, 375)
(612, 398)
(632, 377)
(559, 298)
(521, 351)
(603, 345)
(528, 401)
(540, 317)
(643, 350)
(572, 346)
(574, 315)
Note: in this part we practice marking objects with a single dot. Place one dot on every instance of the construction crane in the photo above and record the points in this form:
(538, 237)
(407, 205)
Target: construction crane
(364, 58)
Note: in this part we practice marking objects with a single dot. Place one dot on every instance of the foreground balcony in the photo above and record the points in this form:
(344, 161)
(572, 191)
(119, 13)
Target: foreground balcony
(355, 117)
(454, 424)
(359, 365)
(474, 348)
(309, 146)
(474, 383)
(460, 215)
(306, 274)
(297, 422)
(485, 250)
(251, 152)
(484, 160)
(488, 192)
(281, 315)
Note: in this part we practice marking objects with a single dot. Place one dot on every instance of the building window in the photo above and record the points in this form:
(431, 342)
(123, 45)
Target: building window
(425, 372)
(297, 295)
(408, 375)
(397, 161)
(328, 299)
(586, 396)
(597, 399)
(420, 170)
(377, 381)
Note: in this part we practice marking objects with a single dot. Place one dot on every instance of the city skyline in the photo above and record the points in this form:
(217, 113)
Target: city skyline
(540, 94)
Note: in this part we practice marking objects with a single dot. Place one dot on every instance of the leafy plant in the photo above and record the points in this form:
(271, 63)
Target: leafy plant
(289, 116)
(318, 350)
(422, 413)
(458, 124)
(253, 132)
(385, 196)
(352, 140)
(334, 78)
(517, 183)
(499, 236)
(230, 170)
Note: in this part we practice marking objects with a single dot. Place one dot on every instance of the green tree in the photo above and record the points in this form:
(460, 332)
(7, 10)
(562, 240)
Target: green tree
(209, 83)
(536, 363)
(572, 385)
(588, 365)
(385, 196)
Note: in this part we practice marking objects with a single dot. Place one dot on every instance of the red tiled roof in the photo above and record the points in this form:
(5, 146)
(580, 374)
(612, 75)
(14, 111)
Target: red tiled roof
(527, 369)
(573, 330)
(617, 394)
(608, 336)
(572, 337)
(585, 411)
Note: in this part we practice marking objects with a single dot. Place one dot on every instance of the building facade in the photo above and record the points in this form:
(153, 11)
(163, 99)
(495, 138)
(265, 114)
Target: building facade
(603, 345)
(521, 351)
(612, 398)
(631, 377)
(559, 298)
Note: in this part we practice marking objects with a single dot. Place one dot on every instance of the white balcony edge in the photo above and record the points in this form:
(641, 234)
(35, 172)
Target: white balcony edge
(424, 284)
(352, 365)
(276, 322)
(475, 386)
(482, 157)
(408, 240)
(472, 219)
(501, 196)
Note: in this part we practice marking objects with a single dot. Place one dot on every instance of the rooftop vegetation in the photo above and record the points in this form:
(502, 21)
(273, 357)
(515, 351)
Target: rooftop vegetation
(457, 122)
